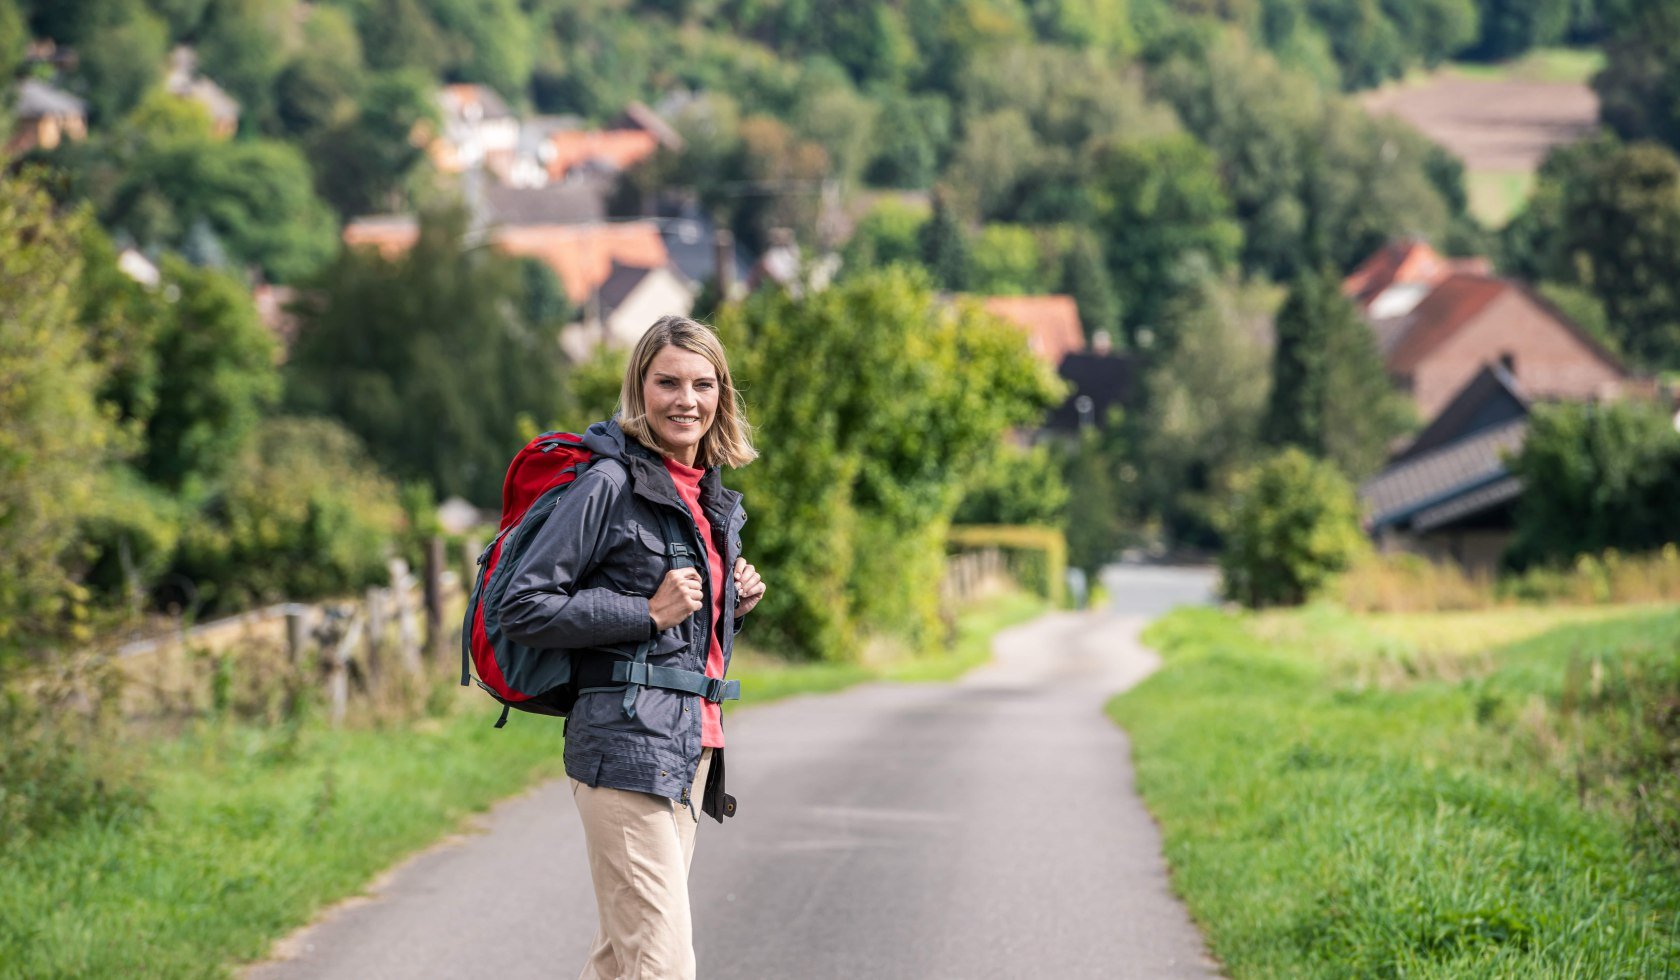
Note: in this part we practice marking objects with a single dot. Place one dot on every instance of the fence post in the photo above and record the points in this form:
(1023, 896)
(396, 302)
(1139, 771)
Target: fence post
(435, 645)
(408, 629)
(297, 632)
(376, 617)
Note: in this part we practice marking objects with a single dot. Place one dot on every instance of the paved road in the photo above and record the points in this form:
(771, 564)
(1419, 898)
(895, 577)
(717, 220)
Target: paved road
(968, 831)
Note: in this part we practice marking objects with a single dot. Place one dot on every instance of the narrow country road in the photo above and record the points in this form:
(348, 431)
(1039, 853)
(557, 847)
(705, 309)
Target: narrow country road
(981, 829)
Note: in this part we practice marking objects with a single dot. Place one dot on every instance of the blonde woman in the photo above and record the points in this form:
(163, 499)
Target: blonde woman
(639, 565)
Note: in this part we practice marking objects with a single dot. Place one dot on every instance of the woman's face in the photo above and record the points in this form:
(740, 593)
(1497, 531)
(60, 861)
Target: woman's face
(680, 390)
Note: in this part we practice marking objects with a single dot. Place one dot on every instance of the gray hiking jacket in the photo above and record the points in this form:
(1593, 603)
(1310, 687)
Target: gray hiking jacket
(584, 583)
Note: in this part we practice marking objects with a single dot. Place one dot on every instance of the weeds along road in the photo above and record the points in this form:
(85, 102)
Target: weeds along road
(986, 828)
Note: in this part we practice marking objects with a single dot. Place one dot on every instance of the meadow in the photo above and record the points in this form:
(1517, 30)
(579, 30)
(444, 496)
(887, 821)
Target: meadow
(241, 833)
(1470, 794)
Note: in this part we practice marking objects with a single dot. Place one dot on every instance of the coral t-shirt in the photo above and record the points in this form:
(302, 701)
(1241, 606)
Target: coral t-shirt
(687, 479)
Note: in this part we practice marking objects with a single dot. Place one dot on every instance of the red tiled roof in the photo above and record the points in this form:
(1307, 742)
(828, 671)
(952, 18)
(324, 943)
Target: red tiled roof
(391, 234)
(1404, 261)
(623, 148)
(1051, 323)
(583, 255)
(1448, 307)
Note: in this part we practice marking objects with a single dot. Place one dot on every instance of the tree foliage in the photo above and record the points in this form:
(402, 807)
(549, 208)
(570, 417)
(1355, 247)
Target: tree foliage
(1330, 395)
(1293, 523)
(54, 439)
(876, 406)
(1596, 477)
(428, 358)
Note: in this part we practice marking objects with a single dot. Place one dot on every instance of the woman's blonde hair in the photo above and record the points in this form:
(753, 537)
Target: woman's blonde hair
(729, 441)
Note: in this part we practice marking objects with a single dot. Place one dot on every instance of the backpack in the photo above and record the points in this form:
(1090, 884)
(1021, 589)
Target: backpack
(546, 681)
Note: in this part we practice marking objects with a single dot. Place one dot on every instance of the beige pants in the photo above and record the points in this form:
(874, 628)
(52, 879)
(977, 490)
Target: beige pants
(640, 847)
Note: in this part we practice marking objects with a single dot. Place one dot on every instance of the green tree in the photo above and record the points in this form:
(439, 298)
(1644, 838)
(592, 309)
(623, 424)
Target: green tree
(1596, 477)
(1023, 485)
(217, 377)
(1639, 87)
(1511, 27)
(302, 513)
(14, 38)
(1096, 508)
(1084, 276)
(428, 358)
(1330, 395)
(243, 46)
(1004, 260)
(1605, 217)
(881, 407)
(121, 60)
(1292, 525)
(912, 135)
(1203, 400)
(887, 235)
(53, 437)
(944, 245)
(364, 160)
(1165, 220)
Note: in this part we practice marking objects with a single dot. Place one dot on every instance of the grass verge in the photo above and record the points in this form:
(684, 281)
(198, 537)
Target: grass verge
(249, 831)
(1431, 795)
(1551, 65)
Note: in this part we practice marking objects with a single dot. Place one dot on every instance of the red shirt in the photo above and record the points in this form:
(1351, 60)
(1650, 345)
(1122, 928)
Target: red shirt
(687, 479)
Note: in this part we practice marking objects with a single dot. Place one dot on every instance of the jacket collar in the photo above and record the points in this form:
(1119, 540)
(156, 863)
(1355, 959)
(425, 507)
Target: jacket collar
(650, 480)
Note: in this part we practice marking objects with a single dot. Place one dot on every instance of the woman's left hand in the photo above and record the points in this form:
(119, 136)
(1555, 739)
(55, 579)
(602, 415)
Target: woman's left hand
(749, 588)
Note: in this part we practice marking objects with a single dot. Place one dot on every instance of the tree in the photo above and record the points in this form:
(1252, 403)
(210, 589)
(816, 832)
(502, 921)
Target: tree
(243, 46)
(1330, 395)
(1639, 87)
(216, 377)
(1605, 217)
(364, 159)
(429, 358)
(1165, 220)
(121, 60)
(882, 405)
(1511, 27)
(1084, 276)
(14, 38)
(1004, 260)
(1203, 399)
(889, 234)
(1292, 525)
(54, 440)
(944, 245)
(1596, 477)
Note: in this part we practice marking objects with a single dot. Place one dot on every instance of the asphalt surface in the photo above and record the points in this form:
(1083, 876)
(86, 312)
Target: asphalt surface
(981, 829)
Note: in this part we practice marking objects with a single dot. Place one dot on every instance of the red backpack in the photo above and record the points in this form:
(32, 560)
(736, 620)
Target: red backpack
(540, 680)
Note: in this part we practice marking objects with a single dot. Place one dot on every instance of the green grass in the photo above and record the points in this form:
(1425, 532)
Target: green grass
(249, 831)
(1495, 196)
(1403, 796)
(1559, 65)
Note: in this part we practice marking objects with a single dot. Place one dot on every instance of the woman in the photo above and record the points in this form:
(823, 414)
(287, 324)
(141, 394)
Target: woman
(604, 574)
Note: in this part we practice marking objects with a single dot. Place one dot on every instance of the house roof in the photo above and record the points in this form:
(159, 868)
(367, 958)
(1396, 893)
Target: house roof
(618, 149)
(185, 81)
(1051, 323)
(571, 203)
(38, 100)
(636, 115)
(391, 234)
(1430, 481)
(477, 103)
(1490, 398)
(692, 245)
(583, 256)
(1451, 304)
(622, 281)
(1404, 270)
(1109, 380)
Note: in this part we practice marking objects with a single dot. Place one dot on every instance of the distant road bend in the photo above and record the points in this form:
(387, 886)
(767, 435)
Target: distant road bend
(982, 829)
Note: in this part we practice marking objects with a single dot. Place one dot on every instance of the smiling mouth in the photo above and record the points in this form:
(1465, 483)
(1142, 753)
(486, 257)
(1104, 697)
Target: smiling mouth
(684, 419)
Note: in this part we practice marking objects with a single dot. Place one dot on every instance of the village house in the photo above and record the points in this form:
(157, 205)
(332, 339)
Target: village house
(1450, 495)
(45, 117)
(184, 81)
(1438, 323)
(1051, 323)
(479, 130)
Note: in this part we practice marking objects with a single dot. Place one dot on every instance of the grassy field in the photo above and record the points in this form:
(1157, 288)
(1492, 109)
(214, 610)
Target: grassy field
(1550, 65)
(248, 831)
(1443, 795)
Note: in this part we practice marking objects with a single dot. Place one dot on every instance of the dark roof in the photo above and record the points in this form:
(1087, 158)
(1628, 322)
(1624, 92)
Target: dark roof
(619, 285)
(637, 115)
(1490, 398)
(569, 203)
(1429, 481)
(1109, 380)
(690, 242)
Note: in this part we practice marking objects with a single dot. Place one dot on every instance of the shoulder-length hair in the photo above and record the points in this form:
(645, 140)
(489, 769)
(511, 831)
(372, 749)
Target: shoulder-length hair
(729, 441)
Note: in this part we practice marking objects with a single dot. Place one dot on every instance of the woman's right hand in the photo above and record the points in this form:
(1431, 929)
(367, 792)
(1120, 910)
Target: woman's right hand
(677, 599)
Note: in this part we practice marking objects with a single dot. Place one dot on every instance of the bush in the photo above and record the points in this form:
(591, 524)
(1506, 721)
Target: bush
(303, 514)
(1037, 556)
(1293, 525)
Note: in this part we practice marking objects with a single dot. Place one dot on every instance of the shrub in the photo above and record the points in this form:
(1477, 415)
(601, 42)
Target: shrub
(1037, 556)
(1294, 524)
(303, 514)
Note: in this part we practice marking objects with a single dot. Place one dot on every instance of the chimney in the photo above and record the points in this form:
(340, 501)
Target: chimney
(723, 255)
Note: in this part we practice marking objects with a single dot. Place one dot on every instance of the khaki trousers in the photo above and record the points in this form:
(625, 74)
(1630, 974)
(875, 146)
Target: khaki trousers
(640, 847)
